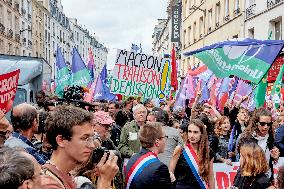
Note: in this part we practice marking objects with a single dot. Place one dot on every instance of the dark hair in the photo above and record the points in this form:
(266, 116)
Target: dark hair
(62, 120)
(183, 126)
(15, 167)
(163, 117)
(206, 121)
(116, 105)
(24, 119)
(121, 118)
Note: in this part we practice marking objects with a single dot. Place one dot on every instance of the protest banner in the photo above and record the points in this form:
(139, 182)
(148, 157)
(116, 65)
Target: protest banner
(136, 73)
(8, 89)
(224, 174)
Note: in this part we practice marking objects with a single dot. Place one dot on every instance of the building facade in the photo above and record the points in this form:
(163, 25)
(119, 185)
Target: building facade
(206, 22)
(264, 18)
(15, 27)
(37, 29)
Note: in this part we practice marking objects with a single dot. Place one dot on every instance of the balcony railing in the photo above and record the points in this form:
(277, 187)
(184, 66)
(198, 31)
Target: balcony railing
(271, 3)
(10, 33)
(23, 11)
(29, 16)
(227, 18)
(30, 44)
(237, 12)
(17, 37)
(16, 7)
(2, 29)
(250, 11)
(9, 2)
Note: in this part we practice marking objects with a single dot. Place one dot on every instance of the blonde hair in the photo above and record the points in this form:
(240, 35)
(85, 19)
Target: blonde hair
(253, 160)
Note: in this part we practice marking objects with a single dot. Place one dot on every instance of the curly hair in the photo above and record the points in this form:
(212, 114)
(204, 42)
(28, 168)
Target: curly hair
(252, 127)
(219, 122)
(253, 160)
(203, 150)
(62, 120)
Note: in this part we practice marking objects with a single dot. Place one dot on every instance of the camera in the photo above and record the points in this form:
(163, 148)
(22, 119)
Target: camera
(98, 154)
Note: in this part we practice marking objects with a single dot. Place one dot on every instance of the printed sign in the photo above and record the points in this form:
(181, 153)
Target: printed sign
(224, 174)
(136, 73)
(176, 21)
(8, 89)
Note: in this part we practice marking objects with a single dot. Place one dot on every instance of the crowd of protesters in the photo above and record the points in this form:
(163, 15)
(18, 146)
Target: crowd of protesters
(137, 144)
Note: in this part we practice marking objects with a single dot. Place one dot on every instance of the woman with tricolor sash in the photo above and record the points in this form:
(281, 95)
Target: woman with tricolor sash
(191, 167)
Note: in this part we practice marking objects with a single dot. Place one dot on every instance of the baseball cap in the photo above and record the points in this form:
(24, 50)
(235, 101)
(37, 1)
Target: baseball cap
(103, 118)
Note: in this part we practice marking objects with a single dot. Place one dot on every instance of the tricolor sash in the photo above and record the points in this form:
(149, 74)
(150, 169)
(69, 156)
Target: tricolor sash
(138, 166)
(192, 159)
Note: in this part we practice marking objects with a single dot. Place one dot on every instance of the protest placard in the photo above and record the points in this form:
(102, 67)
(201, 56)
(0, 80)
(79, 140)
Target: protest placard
(136, 73)
(8, 89)
(224, 174)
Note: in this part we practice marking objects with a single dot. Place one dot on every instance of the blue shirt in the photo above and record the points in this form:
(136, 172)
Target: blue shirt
(18, 140)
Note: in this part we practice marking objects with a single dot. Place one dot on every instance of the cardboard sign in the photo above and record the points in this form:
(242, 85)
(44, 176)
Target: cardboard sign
(8, 89)
(136, 73)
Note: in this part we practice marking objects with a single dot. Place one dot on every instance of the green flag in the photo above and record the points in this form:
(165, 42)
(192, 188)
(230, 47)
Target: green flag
(277, 86)
(261, 92)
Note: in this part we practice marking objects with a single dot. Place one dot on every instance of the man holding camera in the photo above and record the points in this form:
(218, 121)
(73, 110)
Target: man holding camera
(144, 169)
(70, 133)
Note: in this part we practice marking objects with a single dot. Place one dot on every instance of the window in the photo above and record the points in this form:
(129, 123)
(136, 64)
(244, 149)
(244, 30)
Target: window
(184, 38)
(201, 25)
(227, 7)
(1, 15)
(209, 19)
(251, 33)
(277, 29)
(1, 46)
(188, 35)
(217, 16)
(237, 4)
(9, 17)
(235, 36)
(194, 31)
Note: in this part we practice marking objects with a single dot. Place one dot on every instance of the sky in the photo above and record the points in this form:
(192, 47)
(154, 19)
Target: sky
(118, 23)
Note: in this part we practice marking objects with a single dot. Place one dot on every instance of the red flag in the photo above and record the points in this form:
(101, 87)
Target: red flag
(174, 82)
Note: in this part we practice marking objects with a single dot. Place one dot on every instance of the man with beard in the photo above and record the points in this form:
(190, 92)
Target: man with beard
(129, 143)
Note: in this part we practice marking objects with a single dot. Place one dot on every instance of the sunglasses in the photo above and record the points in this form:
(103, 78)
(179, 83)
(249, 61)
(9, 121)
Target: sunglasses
(264, 123)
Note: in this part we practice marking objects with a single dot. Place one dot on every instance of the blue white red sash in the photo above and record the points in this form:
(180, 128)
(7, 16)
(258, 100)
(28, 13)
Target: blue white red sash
(192, 159)
(138, 166)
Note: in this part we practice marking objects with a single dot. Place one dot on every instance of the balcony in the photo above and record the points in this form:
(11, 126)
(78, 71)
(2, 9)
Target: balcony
(272, 3)
(250, 11)
(17, 37)
(24, 40)
(227, 18)
(2, 29)
(17, 7)
(30, 44)
(217, 25)
(237, 12)
(23, 11)
(9, 2)
(10, 33)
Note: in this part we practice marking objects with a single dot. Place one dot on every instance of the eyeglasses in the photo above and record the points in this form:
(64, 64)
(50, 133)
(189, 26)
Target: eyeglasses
(264, 123)
(91, 139)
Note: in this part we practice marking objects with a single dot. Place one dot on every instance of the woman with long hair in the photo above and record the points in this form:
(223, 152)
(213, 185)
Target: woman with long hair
(260, 132)
(191, 166)
(253, 168)
(222, 130)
